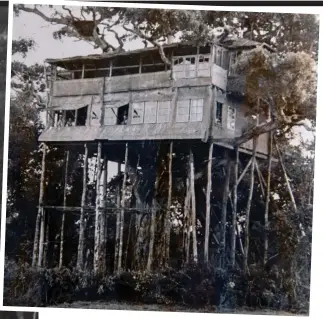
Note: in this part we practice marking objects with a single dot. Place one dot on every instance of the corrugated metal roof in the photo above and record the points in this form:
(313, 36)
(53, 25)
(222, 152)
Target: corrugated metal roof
(230, 43)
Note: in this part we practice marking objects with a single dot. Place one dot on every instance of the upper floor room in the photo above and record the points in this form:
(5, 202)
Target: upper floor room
(131, 70)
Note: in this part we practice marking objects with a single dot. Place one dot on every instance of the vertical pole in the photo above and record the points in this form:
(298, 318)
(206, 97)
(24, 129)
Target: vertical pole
(47, 242)
(80, 250)
(41, 214)
(153, 222)
(83, 70)
(187, 219)
(252, 180)
(193, 201)
(167, 225)
(116, 251)
(61, 251)
(103, 216)
(97, 211)
(234, 208)
(123, 200)
(39, 218)
(270, 148)
(226, 191)
(208, 203)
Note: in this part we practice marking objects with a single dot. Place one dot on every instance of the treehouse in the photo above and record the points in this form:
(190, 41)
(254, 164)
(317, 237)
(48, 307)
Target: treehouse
(154, 117)
(134, 95)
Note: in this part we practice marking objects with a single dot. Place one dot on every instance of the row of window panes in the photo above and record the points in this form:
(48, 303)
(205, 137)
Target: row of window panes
(189, 110)
(159, 112)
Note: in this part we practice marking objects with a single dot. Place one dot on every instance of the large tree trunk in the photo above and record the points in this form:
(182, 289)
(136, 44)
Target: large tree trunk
(80, 249)
(97, 210)
(225, 197)
(123, 202)
(193, 211)
(208, 203)
(234, 208)
(252, 180)
(270, 142)
(41, 211)
(61, 251)
(167, 221)
(116, 249)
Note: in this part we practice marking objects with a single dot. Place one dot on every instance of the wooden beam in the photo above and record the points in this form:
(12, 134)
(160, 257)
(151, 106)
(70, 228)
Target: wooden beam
(97, 211)
(252, 180)
(208, 203)
(80, 249)
(123, 201)
(116, 248)
(167, 225)
(40, 220)
(266, 215)
(61, 251)
(234, 209)
(193, 211)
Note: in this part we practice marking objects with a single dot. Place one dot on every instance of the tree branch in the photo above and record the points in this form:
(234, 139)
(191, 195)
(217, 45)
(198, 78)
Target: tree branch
(152, 40)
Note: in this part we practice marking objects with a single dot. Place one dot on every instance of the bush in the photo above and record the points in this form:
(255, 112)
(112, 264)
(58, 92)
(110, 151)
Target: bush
(193, 287)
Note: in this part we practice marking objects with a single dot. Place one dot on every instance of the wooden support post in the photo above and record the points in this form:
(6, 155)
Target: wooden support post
(234, 208)
(80, 250)
(152, 224)
(116, 251)
(208, 203)
(39, 231)
(292, 198)
(193, 202)
(186, 223)
(225, 197)
(97, 210)
(83, 70)
(103, 238)
(252, 180)
(123, 201)
(61, 251)
(46, 242)
(167, 225)
(270, 148)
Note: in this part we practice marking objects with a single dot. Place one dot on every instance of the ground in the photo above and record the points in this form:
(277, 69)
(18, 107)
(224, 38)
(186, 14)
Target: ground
(171, 308)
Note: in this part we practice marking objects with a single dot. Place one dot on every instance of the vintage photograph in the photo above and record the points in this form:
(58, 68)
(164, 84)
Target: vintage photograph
(18, 315)
(161, 159)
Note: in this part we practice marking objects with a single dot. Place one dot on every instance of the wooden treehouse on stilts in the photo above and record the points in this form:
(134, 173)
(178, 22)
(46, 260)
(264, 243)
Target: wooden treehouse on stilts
(166, 127)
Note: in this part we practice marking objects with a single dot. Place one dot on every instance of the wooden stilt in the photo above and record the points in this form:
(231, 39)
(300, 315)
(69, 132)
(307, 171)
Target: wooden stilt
(225, 197)
(46, 242)
(61, 251)
(234, 208)
(186, 222)
(208, 203)
(123, 201)
(97, 210)
(270, 142)
(116, 251)
(167, 225)
(102, 244)
(152, 225)
(39, 233)
(80, 250)
(252, 180)
(193, 211)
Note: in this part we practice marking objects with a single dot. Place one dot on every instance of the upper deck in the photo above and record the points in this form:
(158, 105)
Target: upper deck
(135, 96)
